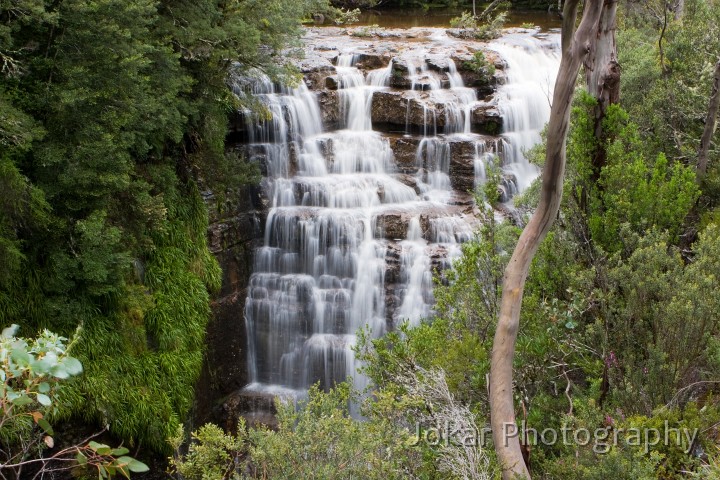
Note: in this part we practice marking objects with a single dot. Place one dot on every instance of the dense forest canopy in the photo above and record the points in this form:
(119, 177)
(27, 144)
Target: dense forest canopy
(113, 114)
(113, 120)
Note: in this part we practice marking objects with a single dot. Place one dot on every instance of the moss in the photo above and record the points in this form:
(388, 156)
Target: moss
(143, 361)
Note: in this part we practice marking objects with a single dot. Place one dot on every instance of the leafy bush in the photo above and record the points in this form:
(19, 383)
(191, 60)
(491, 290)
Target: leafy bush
(31, 372)
(481, 66)
(318, 439)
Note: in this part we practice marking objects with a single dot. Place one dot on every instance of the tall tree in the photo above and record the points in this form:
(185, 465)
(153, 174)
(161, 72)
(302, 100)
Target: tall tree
(710, 122)
(576, 45)
(602, 73)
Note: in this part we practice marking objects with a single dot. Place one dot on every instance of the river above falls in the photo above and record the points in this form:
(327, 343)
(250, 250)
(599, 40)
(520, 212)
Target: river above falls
(440, 18)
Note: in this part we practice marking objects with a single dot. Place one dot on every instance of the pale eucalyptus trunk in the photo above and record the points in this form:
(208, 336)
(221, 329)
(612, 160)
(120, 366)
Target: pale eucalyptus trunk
(710, 123)
(602, 73)
(576, 45)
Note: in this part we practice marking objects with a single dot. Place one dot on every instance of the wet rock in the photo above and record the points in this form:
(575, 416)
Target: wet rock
(405, 150)
(314, 69)
(400, 74)
(486, 118)
(424, 83)
(331, 82)
(399, 111)
(511, 214)
(257, 408)
(372, 60)
(438, 63)
(409, 180)
(391, 225)
(329, 108)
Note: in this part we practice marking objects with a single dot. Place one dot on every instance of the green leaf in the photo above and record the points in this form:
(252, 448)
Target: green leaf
(44, 400)
(10, 331)
(44, 387)
(119, 451)
(81, 458)
(60, 372)
(22, 400)
(99, 448)
(73, 366)
(123, 465)
(137, 466)
(45, 425)
(20, 356)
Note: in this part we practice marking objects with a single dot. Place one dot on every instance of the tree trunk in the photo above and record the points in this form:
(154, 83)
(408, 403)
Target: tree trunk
(710, 123)
(502, 412)
(679, 9)
(603, 77)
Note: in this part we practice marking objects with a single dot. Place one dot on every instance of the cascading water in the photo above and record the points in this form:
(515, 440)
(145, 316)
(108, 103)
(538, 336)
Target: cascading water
(525, 99)
(322, 273)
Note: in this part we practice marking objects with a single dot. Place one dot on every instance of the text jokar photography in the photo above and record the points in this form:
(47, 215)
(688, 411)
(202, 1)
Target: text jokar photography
(600, 439)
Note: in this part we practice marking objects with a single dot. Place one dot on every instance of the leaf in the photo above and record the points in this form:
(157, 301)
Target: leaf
(36, 416)
(137, 466)
(60, 372)
(73, 366)
(22, 400)
(99, 448)
(44, 400)
(10, 331)
(49, 441)
(119, 451)
(44, 387)
(122, 465)
(81, 458)
(45, 425)
(20, 356)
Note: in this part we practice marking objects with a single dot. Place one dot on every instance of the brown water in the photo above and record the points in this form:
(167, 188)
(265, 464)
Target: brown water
(417, 17)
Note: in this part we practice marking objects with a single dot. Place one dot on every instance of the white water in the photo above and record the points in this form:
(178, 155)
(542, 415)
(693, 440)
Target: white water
(525, 100)
(322, 272)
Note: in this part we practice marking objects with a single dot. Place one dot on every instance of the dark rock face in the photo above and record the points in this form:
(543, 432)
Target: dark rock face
(255, 407)
(235, 230)
(329, 108)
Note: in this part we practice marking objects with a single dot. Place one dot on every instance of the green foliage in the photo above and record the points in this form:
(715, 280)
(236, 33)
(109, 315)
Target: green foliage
(484, 27)
(631, 188)
(366, 31)
(212, 454)
(318, 439)
(668, 94)
(113, 112)
(465, 20)
(480, 65)
(31, 374)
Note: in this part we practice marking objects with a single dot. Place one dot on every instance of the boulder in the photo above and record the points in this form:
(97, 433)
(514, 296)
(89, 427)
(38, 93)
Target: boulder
(329, 108)
(486, 118)
(372, 60)
(331, 82)
(405, 150)
(403, 111)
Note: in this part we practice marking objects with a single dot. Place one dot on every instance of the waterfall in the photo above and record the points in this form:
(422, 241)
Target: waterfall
(526, 98)
(351, 244)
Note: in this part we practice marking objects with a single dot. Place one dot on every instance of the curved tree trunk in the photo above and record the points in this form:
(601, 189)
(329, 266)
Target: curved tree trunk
(710, 123)
(502, 412)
